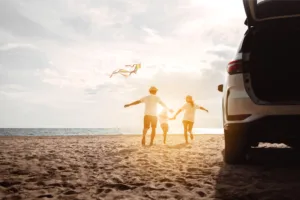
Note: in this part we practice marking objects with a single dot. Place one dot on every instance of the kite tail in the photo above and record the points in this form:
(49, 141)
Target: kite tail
(113, 73)
(125, 72)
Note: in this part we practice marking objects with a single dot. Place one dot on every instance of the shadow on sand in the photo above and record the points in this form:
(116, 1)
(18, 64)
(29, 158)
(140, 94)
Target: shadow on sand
(271, 173)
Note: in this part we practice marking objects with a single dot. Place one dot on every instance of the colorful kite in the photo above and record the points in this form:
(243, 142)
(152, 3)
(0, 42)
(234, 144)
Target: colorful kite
(126, 72)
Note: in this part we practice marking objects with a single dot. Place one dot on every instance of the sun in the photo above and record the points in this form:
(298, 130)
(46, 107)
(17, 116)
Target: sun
(159, 109)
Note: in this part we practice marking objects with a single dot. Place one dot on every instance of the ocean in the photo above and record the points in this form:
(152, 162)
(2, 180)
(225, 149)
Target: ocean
(88, 131)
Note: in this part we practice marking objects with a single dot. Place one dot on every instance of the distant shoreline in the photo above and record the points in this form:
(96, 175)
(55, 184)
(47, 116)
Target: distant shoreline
(106, 135)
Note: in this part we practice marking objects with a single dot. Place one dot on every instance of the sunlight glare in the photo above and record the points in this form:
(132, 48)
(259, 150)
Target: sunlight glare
(159, 109)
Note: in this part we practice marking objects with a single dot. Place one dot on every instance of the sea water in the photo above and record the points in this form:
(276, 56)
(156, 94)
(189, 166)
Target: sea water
(91, 131)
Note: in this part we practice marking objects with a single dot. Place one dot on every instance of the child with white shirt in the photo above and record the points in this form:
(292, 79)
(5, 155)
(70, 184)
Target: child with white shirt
(163, 119)
(189, 109)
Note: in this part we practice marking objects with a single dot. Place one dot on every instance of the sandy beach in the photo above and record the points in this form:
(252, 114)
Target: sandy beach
(118, 167)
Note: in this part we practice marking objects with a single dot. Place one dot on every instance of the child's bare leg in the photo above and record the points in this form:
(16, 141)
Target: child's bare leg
(165, 137)
(185, 127)
(186, 136)
(190, 128)
(191, 135)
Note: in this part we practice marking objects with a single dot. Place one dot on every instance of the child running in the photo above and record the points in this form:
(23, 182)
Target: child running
(189, 116)
(163, 119)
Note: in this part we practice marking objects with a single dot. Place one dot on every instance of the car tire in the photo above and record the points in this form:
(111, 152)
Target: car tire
(236, 147)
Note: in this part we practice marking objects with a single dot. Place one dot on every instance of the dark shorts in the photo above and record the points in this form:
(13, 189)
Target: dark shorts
(165, 127)
(150, 121)
(188, 125)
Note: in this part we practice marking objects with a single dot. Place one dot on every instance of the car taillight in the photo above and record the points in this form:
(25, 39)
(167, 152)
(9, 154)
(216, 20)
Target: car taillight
(235, 67)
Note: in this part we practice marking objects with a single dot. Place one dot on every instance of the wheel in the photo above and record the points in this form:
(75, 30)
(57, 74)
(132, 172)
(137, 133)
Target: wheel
(236, 146)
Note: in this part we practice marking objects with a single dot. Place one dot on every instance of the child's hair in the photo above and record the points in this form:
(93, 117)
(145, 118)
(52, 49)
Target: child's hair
(191, 101)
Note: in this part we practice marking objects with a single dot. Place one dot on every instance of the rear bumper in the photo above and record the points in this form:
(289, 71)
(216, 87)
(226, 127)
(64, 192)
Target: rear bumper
(275, 129)
(241, 109)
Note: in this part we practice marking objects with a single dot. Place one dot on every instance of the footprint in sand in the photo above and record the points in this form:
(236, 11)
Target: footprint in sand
(40, 183)
(108, 190)
(201, 193)
(7, 184)
(138, 184)
(148, 188)
(13, 189)
(117, 179)
(15, 197)
(178, 197)
(45, 196)
(126, 151)
(191, 169)
(190, 176)
(119, 186)
(20, 172)
(5, 162)
(30, 157)
(101, 190)
(181, 180)
(142, 160)
(70, 192)
(31, 180)
(74, 166)
(166, 180)
(168, 185)
(164, 197)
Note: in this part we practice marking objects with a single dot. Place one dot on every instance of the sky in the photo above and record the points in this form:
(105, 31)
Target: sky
(56, 57)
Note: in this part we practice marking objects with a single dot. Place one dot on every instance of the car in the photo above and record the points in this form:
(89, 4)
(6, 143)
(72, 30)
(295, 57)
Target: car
(261, 92)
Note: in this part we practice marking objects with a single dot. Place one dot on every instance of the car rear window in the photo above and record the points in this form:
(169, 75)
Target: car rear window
(279, 48)
(275, 8)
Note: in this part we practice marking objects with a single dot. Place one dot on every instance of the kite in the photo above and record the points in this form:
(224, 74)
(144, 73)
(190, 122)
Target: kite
(126, 72)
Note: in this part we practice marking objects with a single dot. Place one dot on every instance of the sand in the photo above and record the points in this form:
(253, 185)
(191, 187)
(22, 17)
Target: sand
(118, 167)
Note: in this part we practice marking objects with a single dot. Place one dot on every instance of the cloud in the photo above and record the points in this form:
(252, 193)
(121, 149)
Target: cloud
(10, 46)
(15, 23)
(223, 52)
(19, 64)
(79, 24)
(152, 37)
(22, 56)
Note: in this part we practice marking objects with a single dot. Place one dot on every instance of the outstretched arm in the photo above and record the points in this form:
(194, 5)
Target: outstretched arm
(202, 108)
(133, 103)
(164, 105)
(177, 113)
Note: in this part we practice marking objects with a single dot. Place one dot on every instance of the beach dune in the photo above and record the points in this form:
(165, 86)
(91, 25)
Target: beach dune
(118, 167)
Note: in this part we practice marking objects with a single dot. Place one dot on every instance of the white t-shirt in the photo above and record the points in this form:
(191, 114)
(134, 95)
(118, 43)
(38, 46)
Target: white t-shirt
(189, 111)
(163, 117)
(151, 102)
